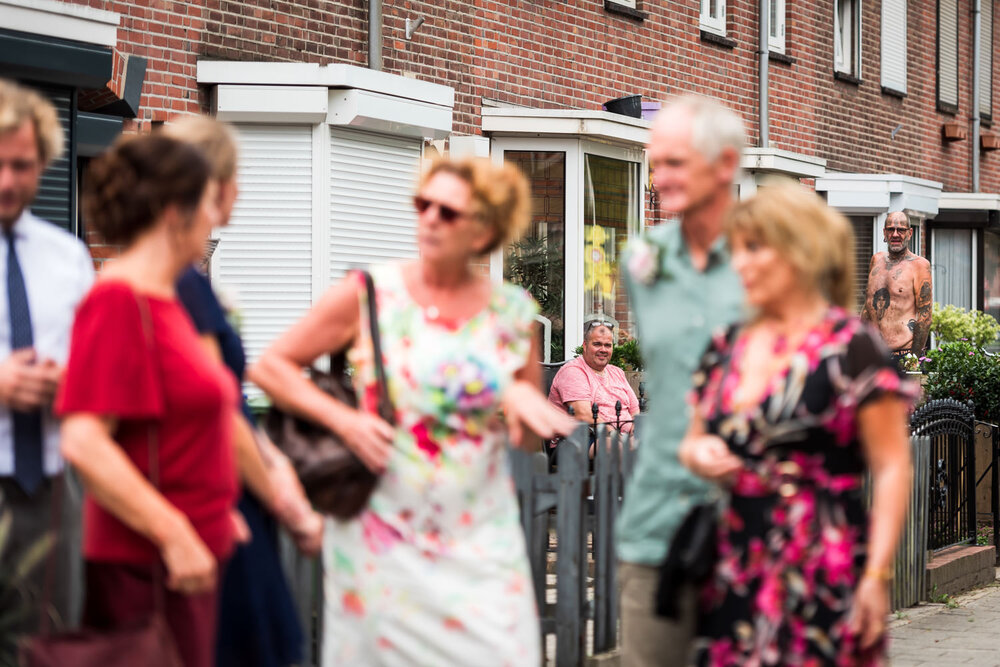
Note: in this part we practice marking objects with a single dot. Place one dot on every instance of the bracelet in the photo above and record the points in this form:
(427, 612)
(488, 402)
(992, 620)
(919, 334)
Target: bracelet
(882, 574)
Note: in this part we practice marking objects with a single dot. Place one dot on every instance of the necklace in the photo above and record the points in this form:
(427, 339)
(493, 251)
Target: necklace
(431, 312)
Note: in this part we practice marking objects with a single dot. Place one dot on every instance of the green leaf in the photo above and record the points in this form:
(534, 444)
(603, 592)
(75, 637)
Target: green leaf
(6, 521)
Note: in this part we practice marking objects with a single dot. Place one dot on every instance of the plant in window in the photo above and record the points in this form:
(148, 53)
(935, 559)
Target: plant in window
(536, 265)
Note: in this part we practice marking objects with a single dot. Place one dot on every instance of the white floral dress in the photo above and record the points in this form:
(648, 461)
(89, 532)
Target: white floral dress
(434, 571)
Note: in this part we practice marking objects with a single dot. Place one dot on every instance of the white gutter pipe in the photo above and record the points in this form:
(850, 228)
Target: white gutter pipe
(977, 56)
(762, 87)
(375, 35)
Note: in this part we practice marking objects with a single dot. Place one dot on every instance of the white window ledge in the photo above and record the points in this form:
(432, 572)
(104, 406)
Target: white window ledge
(566, 123)
(329, 76)
(969, 201)
(775, 160)
(61, 20)
(880, 193)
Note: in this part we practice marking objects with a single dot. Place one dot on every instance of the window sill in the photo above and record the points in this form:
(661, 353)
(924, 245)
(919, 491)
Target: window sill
(707, 36)
(614, 8)
(892, 92)
(846, 78)
(947, 107)
(779, 57)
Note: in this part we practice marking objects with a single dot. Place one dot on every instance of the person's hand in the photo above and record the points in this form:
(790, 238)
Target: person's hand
(370, 438)
(241, 531)
(871, 606)
(708, 456)
(526, 407)
(308, 534)
(191, 567)
(27, 384)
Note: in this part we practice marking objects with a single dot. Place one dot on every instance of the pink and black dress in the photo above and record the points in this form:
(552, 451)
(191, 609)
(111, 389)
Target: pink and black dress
(792, 542)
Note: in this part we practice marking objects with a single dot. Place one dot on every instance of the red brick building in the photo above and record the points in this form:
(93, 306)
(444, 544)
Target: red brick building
(871, 102)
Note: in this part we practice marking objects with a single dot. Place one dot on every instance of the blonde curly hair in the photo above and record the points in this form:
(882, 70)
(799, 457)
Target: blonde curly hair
(19, 105)
(501, 198)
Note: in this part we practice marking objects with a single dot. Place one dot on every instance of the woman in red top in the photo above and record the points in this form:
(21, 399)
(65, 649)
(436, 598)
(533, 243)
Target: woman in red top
(138, 379)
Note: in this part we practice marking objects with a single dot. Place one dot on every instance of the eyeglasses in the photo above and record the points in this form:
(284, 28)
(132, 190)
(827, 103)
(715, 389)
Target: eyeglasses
(446, 213)
(598, 323)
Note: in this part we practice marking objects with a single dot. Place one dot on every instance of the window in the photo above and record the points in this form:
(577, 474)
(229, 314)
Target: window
(894, 45)
(986, 60)
(713, 16)
(776, 25)
(947, 56)
(847, 37)
(537, 260)
(953, 268)
(991, 268)
(610, 213)
(586, 205)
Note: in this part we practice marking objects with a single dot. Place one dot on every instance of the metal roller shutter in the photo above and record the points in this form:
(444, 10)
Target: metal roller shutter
(54, 201)
(372, 178)
(947, 69)
(864, 248)
(265, 254)
(894, 45)
(986, 64)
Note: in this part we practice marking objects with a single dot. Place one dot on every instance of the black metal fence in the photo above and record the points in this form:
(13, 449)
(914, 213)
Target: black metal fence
(950, 425)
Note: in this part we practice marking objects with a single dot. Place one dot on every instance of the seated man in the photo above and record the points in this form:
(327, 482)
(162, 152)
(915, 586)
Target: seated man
(590, 378)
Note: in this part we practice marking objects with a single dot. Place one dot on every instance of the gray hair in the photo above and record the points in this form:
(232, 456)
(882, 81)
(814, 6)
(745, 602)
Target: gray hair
(714, 127)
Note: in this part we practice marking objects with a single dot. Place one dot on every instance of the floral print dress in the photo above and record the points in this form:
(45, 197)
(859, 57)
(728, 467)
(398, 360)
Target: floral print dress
(792, 540)
(434, 571)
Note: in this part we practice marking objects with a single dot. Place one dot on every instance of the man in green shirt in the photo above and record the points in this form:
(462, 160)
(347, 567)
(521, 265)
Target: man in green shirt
(681, 289)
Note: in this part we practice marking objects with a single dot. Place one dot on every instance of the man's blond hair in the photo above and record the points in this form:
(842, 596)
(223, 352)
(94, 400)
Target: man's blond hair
(19, 105)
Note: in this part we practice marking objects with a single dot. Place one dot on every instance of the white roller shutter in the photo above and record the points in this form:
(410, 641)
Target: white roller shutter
(894, 45)
(371, 199)
(947, 88)
(265, 254)
(986, 61)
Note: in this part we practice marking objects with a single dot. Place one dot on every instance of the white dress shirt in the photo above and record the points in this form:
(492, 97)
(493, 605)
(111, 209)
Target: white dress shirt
(58, 271)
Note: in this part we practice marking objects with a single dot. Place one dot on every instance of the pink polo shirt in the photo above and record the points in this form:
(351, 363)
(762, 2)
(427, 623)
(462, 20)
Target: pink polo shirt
(576, 381)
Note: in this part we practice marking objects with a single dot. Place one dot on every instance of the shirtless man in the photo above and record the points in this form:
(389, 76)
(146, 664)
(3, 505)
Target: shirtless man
(898, 298)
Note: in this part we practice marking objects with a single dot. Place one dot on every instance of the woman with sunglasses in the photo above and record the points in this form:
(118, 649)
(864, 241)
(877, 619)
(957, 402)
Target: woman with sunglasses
(434, 570)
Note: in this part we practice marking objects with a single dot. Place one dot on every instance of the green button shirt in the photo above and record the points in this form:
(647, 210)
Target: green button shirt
(676, 314)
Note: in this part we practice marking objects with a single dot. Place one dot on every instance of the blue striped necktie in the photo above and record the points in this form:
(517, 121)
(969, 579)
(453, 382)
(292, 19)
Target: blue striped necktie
(27, 425)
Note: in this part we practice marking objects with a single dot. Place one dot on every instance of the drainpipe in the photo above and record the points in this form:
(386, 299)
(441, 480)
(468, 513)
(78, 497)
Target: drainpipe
(762, 120)
(977, 55)
(375, 34)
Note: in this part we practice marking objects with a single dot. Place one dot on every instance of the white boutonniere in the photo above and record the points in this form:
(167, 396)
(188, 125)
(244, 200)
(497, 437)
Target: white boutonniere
(644, 261)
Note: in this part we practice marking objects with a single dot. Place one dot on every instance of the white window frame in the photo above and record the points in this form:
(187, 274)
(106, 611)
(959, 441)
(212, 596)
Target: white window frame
(893, 47)
(845, 43)
(575, 150)
(715, 23)
(776, 29)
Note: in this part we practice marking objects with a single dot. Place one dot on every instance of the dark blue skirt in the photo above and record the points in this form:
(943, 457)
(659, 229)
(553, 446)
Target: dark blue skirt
(258, 621)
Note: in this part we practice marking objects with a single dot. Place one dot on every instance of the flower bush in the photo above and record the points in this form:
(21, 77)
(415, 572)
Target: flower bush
(952, 324)
(963, 371)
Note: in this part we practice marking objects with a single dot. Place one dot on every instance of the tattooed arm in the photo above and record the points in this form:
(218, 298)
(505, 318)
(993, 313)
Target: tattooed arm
(867, 311)
(924, 305)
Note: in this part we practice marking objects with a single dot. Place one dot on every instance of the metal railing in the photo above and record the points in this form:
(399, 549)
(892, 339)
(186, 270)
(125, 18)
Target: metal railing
(909, 584)
(950, 425)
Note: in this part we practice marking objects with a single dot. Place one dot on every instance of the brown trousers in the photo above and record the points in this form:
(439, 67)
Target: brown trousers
(647, 639)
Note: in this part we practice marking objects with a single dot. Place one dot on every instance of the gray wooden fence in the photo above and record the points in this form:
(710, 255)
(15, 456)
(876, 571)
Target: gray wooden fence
(571, 513)
(909, 585)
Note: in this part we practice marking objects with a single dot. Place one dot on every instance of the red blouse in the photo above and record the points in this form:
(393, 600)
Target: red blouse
(169, 388)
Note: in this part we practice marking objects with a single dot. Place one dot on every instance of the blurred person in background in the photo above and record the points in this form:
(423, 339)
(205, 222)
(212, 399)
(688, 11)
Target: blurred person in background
(680, 288)
(791, 407)
(434, 570)
(147, 412)
(258, 619)
(46, 273)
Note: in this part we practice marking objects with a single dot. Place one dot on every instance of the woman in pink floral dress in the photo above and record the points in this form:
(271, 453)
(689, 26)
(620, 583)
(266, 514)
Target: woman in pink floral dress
(434, 570)
(790, 409)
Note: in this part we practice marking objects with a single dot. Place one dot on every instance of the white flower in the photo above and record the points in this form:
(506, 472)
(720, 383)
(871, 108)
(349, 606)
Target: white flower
(644, 261)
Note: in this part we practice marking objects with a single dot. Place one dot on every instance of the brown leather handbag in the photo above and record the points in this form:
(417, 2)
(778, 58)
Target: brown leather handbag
(147, 642)
(334, 479)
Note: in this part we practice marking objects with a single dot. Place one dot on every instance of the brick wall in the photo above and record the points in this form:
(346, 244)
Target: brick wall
(574, 53)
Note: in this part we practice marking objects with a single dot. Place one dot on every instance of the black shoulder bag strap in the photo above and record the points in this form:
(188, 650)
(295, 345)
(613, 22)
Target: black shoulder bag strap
(385, 409)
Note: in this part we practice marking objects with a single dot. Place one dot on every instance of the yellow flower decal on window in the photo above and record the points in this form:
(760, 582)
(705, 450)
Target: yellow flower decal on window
(598, 268)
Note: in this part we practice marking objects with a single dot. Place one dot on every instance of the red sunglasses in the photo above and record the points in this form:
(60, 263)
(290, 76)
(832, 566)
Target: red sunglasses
(445, 212)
